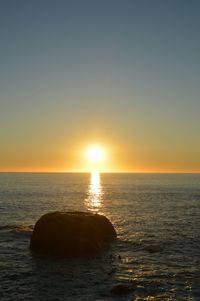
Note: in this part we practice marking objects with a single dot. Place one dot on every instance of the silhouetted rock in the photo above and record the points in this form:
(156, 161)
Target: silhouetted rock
(122, 289)
(71, 234)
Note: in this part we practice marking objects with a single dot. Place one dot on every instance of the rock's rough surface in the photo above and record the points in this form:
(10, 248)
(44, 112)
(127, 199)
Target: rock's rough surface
(71, 234)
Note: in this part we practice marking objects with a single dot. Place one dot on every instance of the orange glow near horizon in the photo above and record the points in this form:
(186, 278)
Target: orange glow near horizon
(89, 157)
(102, 170)
(98, 156)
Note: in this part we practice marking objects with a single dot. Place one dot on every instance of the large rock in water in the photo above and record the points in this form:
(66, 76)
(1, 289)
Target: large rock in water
(71, 234)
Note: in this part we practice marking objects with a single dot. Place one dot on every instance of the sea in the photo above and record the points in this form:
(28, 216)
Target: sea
(157, 251)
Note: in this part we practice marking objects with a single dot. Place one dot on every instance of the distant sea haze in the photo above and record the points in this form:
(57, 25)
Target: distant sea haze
(156, 216)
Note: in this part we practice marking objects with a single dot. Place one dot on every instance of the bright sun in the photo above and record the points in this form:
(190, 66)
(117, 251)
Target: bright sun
(96, 153)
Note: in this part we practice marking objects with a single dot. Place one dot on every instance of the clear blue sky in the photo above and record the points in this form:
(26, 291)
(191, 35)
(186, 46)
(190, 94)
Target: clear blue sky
(124, 73)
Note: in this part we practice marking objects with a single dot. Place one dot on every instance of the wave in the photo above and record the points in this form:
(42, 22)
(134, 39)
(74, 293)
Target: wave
(17, 228)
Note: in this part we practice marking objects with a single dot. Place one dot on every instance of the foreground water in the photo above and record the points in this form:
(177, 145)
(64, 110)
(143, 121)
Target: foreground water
(157, 218)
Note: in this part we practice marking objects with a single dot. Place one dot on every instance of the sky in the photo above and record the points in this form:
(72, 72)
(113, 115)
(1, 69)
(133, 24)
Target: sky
(121, 74)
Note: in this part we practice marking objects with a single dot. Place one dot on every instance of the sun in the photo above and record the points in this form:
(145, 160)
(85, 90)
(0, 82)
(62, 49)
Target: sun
(95, 153)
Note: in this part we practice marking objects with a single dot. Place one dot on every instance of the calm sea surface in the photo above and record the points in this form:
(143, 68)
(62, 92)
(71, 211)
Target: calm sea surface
(157, 218)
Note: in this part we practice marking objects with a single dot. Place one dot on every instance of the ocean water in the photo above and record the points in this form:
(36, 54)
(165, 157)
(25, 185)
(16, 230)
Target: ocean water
(156, 216)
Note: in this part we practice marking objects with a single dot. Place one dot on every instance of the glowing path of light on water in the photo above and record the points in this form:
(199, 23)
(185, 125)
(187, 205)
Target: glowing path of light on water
(93, 202)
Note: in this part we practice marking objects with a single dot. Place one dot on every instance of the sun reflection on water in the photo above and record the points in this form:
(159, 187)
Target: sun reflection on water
(93, 201)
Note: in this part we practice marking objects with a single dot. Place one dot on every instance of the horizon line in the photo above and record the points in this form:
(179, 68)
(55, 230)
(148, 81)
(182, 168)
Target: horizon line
(104, 172)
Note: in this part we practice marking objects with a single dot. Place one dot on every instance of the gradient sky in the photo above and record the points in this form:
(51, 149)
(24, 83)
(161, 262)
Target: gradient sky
(124, 74)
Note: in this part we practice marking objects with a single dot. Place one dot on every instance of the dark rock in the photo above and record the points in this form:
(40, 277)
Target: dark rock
(71, 234)
(122, 289)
